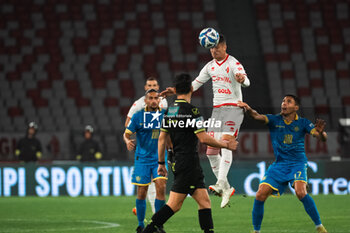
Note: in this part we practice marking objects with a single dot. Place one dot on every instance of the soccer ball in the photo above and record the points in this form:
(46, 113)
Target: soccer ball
(208, 38)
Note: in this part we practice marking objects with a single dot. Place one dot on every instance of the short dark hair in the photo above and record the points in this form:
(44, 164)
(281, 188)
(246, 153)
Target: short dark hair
(183, 83)
(150, 90)
(151, 78)
(222, 38)
(296, 98)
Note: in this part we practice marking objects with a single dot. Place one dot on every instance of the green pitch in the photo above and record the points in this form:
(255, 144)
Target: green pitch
(114, 214)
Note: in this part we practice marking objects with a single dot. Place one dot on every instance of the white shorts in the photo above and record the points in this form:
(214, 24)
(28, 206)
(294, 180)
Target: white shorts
(231, 118)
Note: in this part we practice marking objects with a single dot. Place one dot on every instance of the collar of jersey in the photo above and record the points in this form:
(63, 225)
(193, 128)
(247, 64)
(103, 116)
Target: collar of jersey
(222, 62)
(180, 101)
(159, 109)
(288, 123)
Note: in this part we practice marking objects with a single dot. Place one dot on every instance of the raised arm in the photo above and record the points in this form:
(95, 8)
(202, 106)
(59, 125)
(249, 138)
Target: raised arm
(319, 132)
(252, 113)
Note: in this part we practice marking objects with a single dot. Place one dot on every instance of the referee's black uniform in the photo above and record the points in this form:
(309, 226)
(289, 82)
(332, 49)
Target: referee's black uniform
(180, 122)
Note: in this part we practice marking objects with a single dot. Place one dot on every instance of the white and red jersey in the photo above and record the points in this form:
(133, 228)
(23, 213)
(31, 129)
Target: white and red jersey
(140, 104)
(226, 90)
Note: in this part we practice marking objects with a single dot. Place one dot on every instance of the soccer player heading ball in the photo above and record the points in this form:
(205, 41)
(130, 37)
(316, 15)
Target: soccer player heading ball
(287, 132)
(228, 76)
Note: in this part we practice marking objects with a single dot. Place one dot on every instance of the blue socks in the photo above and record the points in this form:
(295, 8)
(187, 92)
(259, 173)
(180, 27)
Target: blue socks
(258, 214)
(158, 204)
(141, 211)
(309, 205)
(311, 209)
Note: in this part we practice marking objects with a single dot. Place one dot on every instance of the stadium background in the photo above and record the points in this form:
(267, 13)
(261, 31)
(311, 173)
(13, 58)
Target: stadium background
(65, 64)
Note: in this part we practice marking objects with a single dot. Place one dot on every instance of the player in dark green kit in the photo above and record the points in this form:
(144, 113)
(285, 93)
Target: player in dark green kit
(183, 124)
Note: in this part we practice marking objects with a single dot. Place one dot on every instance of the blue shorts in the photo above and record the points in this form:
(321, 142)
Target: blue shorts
(143, 174)
(278, 176)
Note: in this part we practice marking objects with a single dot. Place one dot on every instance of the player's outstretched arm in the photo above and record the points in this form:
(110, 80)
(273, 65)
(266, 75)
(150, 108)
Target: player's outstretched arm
(210, 141)
(162, 142)
(319, 132)
(251, 112)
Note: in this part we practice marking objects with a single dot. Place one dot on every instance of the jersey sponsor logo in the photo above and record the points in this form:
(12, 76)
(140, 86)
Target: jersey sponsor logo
(172, 111)
(225, 91)
(221, 79)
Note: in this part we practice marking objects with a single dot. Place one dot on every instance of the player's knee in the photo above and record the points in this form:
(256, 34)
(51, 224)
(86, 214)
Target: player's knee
(141, 192)
(261, 196)
(160, 192)
(204, 204)
(300, 194)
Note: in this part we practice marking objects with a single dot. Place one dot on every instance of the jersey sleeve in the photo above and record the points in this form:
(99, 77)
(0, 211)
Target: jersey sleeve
(199, 120)
(132, 127)
(202, 78)
(137, 106)
(270, 119)
(309, 127)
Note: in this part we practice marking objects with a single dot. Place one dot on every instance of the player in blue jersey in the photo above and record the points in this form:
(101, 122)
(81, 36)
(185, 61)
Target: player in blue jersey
(287, 132)
(146, 124)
